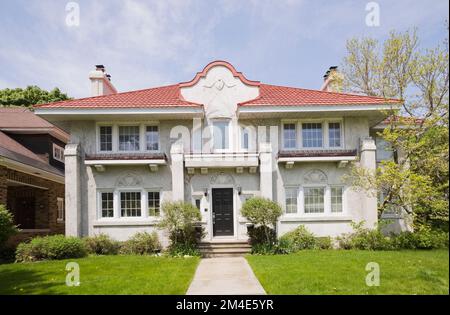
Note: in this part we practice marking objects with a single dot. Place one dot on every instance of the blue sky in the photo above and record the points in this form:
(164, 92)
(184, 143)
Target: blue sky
(153, 43)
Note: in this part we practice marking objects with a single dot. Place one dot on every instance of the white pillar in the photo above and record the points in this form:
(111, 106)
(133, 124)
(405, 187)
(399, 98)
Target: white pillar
(265, 170)
(176, 156)
(368, 161)
(73, 190)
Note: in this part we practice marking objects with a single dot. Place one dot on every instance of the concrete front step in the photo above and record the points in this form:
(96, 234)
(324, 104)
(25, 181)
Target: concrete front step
(224, 249)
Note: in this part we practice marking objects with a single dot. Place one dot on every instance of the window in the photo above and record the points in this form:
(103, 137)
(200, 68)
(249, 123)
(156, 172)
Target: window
(129, 138)
(152, 138)
(312, 135)
(245, 139)
(291, 200)
(130, 204)
(198, 202)
(334, 134)
(289, 136)
(314, 199)
(105, 133)
(153, 204)
(336, 199)
(61, 213)
(221, 135)
(107, 208)
(58, 153)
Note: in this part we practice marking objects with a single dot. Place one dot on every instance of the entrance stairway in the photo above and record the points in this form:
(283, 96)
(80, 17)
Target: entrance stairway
(224, 249)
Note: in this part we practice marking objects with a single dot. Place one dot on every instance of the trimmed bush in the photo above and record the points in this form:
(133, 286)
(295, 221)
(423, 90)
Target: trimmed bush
(180, 220)
(141, 243)
(51, 248)
(7, 226)
(324, 242)
(101, 244)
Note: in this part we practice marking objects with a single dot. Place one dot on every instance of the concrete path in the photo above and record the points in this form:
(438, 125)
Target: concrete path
(227, 275)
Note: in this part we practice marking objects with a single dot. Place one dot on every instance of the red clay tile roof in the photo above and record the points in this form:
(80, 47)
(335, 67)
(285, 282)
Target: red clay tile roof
(165, 96)
(273, 95)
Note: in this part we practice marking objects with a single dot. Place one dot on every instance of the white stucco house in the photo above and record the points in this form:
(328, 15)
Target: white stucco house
(215, 141)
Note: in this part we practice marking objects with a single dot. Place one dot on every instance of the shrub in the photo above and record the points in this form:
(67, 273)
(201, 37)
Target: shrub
(101, 244)
(258, 235)
(262, 213)
(180, 250)
(7, 226)
(324, 242)
(141, 243)
(180, 220)
(298, 239)
(365, 239)
(50, 248)
(423, 238)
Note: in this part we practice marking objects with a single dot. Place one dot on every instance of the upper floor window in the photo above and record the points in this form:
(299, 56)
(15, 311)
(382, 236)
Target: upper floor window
(334, 134)
(312, 135)
(105, 140)
(128, 138)
(58, 153)
(221, 135)
(289, 136)
(152, 138)
(245, 139)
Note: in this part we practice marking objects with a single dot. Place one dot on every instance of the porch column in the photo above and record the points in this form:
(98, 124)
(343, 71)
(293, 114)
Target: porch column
(265, 170)
(368, 161)
(73, 190)
(176, 156)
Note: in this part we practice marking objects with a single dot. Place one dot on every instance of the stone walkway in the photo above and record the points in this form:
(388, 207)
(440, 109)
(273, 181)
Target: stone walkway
(227, 275)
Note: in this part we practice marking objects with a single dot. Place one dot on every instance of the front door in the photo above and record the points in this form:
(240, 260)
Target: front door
(222, 201)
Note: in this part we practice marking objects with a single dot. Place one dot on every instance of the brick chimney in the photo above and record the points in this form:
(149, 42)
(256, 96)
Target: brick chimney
(332, 80)
(101, 82)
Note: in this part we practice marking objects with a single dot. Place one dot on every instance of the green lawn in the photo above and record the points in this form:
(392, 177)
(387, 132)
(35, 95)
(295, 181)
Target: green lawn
(101, 275)
(343, 272)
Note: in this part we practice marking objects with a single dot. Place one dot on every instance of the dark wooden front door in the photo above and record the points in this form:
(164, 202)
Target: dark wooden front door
(222, 200)
(24, 212)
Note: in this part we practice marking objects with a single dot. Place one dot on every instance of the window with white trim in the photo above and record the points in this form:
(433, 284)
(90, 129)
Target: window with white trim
(245, 144)
(105, 138)
(291, 200)
(312, 135)
(221, 136)
(153, 203)
(152, 138)
(289, 136)
(107, 204)
(61, 212)
(336, 198)
(58, 153)
(334, 134)
(314, 199)
(130, 204)
(129, 138)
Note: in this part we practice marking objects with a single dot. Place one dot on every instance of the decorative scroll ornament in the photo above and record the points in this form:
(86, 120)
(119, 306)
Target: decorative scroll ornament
(315, 176)
(129, 180)
(222, 179)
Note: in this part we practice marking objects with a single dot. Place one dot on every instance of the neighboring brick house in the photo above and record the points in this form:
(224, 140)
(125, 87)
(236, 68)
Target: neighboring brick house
(32, 171)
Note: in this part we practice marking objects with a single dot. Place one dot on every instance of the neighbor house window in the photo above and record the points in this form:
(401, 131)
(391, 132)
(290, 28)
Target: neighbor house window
(152, 138)
(291, 200)
(153, 203)
(312, 135)
(314, 199)
(61, 213)
(336, 199)
(334, 134)
(107, 205)
(129, 138)
(130, 204)
(105, 133)
(221, 135)
(58, 153)
(289, 136)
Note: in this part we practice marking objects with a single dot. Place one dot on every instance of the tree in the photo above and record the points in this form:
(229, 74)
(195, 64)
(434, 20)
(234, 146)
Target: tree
(418, 181)
(30, 96)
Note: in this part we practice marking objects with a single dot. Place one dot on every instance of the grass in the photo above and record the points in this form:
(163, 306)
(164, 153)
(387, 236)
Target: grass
(343, 272)
(101, 275)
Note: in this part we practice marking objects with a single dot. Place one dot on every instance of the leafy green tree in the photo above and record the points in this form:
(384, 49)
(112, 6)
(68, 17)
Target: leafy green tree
(417, 182)
(30, 96)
